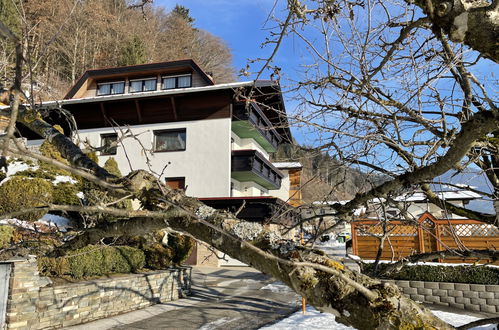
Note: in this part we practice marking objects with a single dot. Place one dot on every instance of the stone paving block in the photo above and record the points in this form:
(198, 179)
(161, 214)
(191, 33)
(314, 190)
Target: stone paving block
(424, 292)
(494, 302)
(472, 307)
(486, 295)
(462, 286)
(463, 300)
(470, 294)
(455, 293)
(431, 285)
(447, 286)
(478, 301)
(440, 292)
(488, 309)
(477, 287)
(447, 300)
(417, 284)
(432, 299)
(456, 305)
(403, 284)
(492, 288)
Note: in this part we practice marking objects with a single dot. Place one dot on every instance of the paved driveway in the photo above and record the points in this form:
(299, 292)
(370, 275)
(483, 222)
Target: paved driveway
(224, 298)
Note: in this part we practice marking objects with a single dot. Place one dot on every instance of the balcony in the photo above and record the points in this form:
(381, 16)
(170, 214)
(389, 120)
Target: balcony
(250, 122)
(250, 165)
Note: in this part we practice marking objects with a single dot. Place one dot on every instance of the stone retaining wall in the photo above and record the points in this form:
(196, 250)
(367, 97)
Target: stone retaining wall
(473, 297)
(34, 303)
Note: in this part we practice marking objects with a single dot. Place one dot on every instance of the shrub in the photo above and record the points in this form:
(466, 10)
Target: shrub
(181, 246)
(6, 233)
(38, 173)
(112, 167)
(123, 259)
(20, 193)
(53, 266)
(65, 194)
(95, 195)
(157, 256)
(455, 274)
(93, 260)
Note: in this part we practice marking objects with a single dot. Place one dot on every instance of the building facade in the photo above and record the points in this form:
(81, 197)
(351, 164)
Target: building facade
(171, 118)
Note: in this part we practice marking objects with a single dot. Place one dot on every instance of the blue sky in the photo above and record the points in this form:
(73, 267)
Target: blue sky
(242, 24)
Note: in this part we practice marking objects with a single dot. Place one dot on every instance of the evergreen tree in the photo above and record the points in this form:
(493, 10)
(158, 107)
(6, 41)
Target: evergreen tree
(133, 53)
(183, 12)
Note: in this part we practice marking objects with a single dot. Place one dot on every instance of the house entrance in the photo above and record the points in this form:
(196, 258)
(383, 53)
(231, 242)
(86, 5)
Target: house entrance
(4, 292)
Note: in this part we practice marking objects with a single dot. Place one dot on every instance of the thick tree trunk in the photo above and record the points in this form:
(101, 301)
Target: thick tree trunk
(472, 22)
(354, 298)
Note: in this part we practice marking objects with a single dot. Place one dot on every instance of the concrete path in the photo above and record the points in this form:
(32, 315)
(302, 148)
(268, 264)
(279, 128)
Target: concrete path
(224, 298)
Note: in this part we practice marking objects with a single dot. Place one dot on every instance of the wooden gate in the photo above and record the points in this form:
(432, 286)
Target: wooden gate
(4, 292)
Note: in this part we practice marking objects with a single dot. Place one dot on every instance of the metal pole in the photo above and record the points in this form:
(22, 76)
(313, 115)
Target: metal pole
(303, 299)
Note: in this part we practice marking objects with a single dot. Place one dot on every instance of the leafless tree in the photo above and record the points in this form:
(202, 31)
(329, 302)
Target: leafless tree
(374, 105)
(400, 88)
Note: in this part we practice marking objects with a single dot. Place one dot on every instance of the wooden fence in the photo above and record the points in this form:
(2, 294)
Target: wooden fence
(427, 234)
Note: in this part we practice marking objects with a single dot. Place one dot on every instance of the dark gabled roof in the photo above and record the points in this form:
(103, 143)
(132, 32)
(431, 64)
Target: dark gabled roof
(106, 72)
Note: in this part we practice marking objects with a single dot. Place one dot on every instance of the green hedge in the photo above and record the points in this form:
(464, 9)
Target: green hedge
(93, 260)
(455, 274)
(6, 233)
(20, 193)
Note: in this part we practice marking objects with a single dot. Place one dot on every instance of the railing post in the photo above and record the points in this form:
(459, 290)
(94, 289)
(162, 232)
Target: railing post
(438, 237)
(355, 250)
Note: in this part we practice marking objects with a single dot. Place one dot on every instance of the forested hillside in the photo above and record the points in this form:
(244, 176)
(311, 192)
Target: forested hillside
(324, 177)
(67, 37)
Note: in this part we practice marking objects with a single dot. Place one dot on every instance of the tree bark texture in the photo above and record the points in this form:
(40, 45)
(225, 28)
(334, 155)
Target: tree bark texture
(472, 22)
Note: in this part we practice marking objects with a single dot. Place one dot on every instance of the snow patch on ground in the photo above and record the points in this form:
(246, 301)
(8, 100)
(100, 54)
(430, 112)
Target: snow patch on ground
(16, 166)
(217, 323)
(48, 223)
(277, 287)
(314, 319)
(332, 243)
(53, 220)
(64, 178)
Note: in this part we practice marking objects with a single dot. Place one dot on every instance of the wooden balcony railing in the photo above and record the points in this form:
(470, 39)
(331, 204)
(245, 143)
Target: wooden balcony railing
(250, 165)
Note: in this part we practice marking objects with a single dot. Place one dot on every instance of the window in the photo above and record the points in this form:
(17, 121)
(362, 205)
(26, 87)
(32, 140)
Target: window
(117, 87)
(109, 143)
(142, 85)
(176, 183)
(171, 82)
(169, 140)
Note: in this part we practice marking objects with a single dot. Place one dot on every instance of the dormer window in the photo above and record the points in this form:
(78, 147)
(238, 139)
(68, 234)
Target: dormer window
(142, 85)
(180, 81)
(110, 88)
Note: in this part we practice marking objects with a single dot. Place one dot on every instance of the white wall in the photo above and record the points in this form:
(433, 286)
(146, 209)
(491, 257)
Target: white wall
(283, 192)
(205, 163)
(249, 189)
(242, 144)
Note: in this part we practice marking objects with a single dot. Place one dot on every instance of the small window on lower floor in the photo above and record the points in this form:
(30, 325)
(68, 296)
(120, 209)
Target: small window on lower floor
(109, 144)
(176, 183)
(170, 140)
